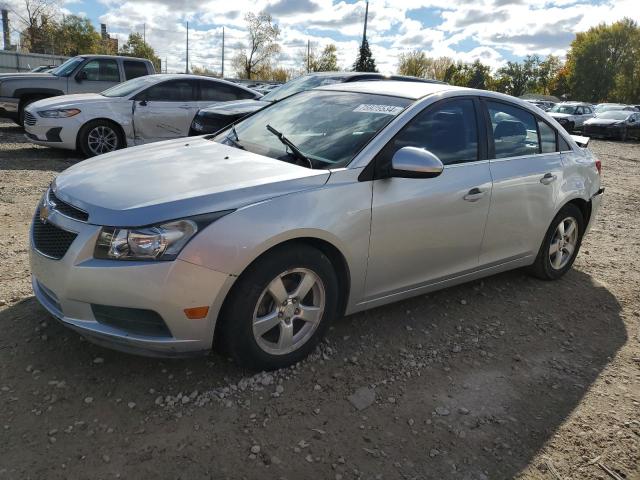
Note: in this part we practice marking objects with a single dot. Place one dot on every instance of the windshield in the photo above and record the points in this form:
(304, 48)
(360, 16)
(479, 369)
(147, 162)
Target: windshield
(568, 109)
(327, 127)
(306, 82)
(615, 114)
(128, 87)
(67, 67)
(608, 106)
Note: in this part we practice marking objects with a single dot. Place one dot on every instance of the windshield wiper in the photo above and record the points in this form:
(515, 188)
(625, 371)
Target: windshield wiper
(295, 150)
(236, 142)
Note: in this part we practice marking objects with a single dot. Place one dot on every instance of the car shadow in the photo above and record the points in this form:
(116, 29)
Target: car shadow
(486, 372)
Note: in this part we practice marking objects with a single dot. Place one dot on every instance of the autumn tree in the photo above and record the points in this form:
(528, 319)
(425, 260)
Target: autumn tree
(76, 35)
(262, 45)
(37, 18)
(135, 46)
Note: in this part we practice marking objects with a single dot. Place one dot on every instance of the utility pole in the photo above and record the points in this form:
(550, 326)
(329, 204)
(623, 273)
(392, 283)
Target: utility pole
(144, 32)
(165, 64)
(223, 52)
(187, 66)
(366, 17)
(308, 56)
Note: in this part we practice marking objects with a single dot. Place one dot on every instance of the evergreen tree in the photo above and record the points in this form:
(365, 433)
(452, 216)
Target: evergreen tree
(365, 61)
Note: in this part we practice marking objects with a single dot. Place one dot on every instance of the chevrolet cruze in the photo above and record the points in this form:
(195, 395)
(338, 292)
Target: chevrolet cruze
(330, 202)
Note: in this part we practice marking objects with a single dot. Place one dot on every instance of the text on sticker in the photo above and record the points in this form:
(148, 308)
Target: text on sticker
(384, 109)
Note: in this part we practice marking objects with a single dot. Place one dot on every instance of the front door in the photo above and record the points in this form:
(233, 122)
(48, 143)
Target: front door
(425, 230)
(165, 111)
(95, 76)
(527, 174)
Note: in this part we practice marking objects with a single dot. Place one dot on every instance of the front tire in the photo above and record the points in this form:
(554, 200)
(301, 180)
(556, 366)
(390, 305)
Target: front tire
(98, 137)
(561, 244)
(280, 308)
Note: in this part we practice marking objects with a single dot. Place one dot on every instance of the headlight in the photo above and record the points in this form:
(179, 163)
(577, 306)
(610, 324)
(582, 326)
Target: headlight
(156, 242)
(61, 113)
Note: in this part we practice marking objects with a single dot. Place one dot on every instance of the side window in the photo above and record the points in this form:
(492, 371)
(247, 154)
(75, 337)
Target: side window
(515, 132)
(588, 110)
(102, 70)
(133, 69)
(562, 143)
(449, 131)
(221, 92)
(172, 91)
(579, 111)
(547, 138)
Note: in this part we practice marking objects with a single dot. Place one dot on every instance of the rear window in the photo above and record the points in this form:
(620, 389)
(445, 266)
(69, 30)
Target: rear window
(515, 132)
(133, 69)
(221, 92)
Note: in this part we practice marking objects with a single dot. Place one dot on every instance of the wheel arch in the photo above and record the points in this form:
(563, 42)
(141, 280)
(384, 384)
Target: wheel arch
(583, 205)
(335, 256)
(104, 119)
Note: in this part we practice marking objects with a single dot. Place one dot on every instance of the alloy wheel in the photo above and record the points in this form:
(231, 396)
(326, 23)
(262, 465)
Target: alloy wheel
(563, 243)
(289, 311)
(102, 139)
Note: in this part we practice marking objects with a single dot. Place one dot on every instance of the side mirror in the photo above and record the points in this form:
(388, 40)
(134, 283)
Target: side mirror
(413, 162)
(82, 75)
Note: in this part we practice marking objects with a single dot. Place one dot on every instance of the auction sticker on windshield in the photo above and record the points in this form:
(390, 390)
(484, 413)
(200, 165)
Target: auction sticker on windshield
(384, 109)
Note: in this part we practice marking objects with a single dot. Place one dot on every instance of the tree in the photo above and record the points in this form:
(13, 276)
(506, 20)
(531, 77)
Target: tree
(415, 64)
(548, 71)
(37, 17)
(365, 61)
(137, 47)
(76, 35)
(262, 36)
(602, 63)
(471, 75)
(328, 61)
(198, 70)
(513, 78)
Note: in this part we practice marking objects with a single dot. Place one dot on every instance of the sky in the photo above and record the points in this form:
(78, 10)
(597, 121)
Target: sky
(493, 31)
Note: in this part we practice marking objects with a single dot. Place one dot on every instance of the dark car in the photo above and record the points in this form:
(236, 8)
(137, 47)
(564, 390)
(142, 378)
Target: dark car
(217, 117)
(620, 124)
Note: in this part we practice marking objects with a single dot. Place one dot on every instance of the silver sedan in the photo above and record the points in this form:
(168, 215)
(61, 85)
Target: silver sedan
(330, 202)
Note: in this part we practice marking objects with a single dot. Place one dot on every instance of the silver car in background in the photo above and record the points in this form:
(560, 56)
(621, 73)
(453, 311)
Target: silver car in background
(330, 202)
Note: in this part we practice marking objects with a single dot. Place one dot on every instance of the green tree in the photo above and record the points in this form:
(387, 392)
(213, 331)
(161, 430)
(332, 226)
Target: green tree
(548, 70)
(262, 36)
(415, 64)
(76, 35)
(514, 78)
(328, 60)
(472, 75)
(365, 61)
(603, 62)
(137, 47)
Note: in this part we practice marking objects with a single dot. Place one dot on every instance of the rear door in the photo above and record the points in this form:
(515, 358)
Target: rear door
(526, 168)
(165, 110)
(95, 76)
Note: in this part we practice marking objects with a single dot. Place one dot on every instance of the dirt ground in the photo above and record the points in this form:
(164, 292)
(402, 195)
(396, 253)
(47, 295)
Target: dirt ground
(508, 377)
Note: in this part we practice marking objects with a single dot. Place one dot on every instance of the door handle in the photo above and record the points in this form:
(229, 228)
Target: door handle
(548, 178)
(474, 195)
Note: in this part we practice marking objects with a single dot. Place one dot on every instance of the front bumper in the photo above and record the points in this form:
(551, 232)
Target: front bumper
(596, 202)
(53, 132)
(610, 131)
(71, 287)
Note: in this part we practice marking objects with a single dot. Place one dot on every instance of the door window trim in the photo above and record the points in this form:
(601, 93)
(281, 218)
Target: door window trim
(491, 154)
(142, 96)
(373, 169)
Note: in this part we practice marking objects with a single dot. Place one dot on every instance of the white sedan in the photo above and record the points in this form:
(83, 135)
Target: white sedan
(143, 110)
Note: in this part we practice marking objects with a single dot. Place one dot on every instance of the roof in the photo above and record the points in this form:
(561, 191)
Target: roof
(411, 90)
(182, 76)
(576, 103)
(124, 57)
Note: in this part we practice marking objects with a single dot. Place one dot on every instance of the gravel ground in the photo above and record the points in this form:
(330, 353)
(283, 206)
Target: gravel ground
(502, 378)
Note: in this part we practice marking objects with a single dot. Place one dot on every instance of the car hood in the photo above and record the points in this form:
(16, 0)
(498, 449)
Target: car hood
(234, 108)
(79, 99)
(175, 179)
(602, 121)
(560, 115)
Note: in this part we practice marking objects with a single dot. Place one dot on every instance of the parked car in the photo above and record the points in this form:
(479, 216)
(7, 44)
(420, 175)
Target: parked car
(622, 124)
(42, 68)
(212, 119)
(542, 104)
(571, 115)
(329, 202)
(605, 107)
(82, 74)
(142, 110)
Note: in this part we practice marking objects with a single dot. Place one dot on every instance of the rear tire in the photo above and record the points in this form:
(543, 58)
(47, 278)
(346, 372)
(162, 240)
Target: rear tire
(564, 241)
(265, 326)
(100, 136)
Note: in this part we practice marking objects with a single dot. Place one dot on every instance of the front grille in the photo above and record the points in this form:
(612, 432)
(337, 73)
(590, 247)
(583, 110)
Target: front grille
(51, 240)
(65, 209)
(29, 119)
(133, 320)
